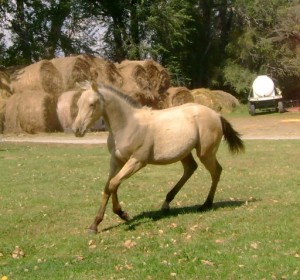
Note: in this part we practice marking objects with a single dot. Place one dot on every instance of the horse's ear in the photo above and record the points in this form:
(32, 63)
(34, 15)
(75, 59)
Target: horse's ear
(83, 85)
(94, 86)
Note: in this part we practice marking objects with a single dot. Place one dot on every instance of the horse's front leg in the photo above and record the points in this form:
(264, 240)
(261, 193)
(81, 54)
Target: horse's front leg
(115, 167)
(130, 167)
(101, 211)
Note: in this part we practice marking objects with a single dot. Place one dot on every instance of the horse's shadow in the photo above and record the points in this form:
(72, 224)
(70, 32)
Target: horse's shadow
(149, 216)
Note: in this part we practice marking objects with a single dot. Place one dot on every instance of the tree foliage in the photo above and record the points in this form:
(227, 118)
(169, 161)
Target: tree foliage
(211, 43)
(265, 42)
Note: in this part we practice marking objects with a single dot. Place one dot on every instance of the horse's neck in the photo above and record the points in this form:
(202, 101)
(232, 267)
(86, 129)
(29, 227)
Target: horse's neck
(118, 113)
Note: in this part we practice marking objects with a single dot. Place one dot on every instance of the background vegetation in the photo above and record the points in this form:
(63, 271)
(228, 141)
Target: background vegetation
(204, 43)
(50, 194)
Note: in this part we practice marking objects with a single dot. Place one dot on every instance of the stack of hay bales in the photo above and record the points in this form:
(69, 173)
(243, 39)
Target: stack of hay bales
(5, 93)
(145, 81)
(177, 96)
(32, 108)
(218, 100)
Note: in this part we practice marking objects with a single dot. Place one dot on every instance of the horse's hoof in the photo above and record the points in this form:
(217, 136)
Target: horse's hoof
(91, 231)
(123, 215)
(165, 207)
(205, 207)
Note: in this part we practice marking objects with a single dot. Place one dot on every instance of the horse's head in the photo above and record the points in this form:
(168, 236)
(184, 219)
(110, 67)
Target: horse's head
(90, 108)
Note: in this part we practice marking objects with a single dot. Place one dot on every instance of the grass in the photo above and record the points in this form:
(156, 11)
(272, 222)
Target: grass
(50, 194)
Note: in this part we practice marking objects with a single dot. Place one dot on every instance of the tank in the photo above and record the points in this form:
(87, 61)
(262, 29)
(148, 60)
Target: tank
(264, 95)
(263, 86)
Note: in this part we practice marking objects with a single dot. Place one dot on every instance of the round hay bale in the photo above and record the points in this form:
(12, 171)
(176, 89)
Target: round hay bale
(135, 76)
(31, 112)
(74, 69)
(203, 96)
(12, 124)
(226, 101)
(104, 71)
(40, 76)
(220, 101)
(159, 78)
(67, 108)
(5, 93)
(178, 96)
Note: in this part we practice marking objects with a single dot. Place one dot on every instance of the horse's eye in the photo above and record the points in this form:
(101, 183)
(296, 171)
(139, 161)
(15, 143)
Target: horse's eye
(92, 105)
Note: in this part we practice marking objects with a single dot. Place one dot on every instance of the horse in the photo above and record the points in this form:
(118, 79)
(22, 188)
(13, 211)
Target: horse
(139, 136)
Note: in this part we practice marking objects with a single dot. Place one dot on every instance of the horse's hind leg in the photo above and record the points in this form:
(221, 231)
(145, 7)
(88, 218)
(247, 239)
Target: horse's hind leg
(189, 166)
(215, 169)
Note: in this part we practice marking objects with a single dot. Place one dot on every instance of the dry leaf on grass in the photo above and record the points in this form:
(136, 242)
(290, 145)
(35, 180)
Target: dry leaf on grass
(18, 253)
(254, 245)
(92, 244)
(208, 263)
(79, 257)
(129, 244)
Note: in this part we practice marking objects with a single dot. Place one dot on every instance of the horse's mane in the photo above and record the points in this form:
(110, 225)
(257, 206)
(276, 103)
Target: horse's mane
(120, 94)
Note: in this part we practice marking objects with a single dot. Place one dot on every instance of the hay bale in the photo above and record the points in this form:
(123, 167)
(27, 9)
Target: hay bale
(31, 112)
(146, 81)
(135, 76)
(5, 93)
(159, 78)
(103, 71)
(12, 124)
(218, 100)
(41, 76)
(177, 96)
(203, 96)
(226, 101)
(67, 108)
(74, 69)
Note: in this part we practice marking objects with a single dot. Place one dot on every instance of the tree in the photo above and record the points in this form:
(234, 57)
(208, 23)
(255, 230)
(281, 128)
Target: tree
(262, 42)
(43, 29)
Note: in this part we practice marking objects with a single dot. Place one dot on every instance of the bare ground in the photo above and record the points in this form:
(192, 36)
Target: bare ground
(263, 126)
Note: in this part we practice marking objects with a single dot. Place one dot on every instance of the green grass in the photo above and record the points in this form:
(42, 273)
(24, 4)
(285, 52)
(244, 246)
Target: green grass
(49, 194)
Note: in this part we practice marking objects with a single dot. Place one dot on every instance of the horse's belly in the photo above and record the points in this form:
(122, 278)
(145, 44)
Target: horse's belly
(173, 147)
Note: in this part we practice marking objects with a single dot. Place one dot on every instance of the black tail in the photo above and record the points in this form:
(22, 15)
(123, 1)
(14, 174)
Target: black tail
(232, 137)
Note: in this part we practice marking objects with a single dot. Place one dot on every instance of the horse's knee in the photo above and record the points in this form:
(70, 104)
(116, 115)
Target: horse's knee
(113, 186)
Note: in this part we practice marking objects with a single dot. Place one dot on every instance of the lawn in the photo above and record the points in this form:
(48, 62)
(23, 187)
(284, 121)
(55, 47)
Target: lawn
(49, 194)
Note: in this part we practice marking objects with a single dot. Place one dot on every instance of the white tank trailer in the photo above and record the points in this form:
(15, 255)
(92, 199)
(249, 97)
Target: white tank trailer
(264, 95)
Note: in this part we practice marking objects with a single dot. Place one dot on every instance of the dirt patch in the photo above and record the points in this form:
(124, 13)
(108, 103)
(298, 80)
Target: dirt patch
(268, 126)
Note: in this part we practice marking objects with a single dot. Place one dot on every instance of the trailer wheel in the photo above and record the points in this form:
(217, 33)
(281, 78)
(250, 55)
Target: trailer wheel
(280, 107)
(251, 109)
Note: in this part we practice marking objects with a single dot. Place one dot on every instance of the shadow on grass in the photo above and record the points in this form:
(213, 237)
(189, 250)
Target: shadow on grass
(149, 216)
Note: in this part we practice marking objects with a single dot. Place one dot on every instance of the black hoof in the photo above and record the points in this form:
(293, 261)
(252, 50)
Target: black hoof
(205, 207)
(124, 216)
(91, 230)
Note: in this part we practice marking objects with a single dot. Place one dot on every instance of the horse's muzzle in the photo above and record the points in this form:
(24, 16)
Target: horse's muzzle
(78, 131)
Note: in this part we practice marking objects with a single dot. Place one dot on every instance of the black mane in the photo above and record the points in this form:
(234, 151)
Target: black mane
(122, 95)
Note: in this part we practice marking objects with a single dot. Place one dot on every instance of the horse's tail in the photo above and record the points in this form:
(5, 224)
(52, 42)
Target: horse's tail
(232, 137)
